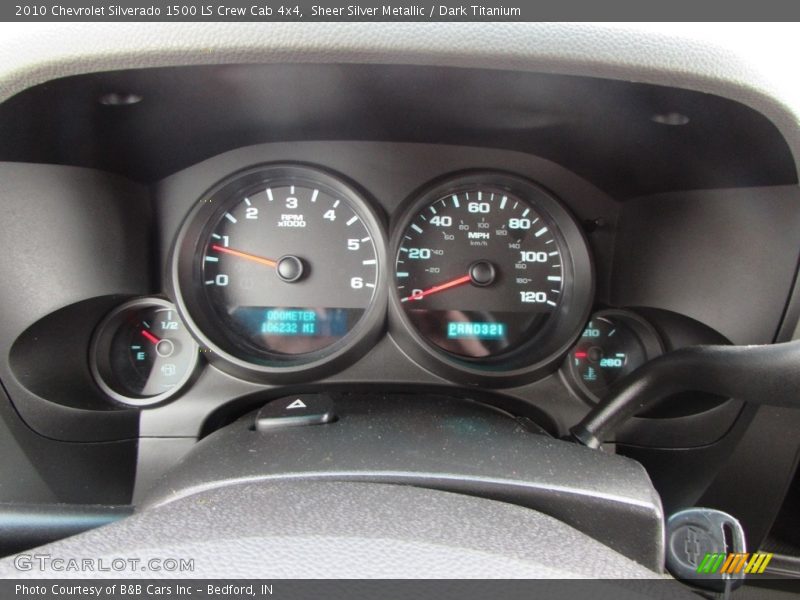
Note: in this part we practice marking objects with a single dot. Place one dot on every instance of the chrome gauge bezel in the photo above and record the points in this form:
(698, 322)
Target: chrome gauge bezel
(99, 354)
(540, 355)
(201, 321)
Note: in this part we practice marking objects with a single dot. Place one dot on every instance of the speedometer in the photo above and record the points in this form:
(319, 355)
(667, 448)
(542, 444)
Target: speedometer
(478, 282)
(490, 272)
(281, 269)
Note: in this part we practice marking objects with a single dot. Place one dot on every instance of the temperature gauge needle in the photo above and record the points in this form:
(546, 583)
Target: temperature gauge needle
(438, 288)
(150, 337)
(245, 255)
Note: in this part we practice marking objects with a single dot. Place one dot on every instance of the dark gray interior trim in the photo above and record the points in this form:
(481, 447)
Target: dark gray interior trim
(346, 530)
(439, 443)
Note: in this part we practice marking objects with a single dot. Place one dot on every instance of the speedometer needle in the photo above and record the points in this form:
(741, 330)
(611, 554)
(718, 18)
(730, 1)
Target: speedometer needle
(438, 288)
(245, 255)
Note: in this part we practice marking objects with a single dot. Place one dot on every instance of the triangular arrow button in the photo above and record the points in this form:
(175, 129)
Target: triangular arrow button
(297, 409)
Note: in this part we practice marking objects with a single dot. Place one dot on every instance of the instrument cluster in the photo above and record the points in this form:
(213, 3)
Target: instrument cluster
(288, 273)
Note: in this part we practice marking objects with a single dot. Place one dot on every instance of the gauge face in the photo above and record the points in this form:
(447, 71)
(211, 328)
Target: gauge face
(286, 267)
(480, 271)
(142, 352)
(613, 344)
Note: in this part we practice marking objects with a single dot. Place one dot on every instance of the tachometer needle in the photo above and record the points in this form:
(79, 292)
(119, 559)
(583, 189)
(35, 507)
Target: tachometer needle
(245, 255)
(438, 288)
(150, 337)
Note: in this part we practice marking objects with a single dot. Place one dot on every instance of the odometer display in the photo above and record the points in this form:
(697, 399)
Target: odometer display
(286, 266)
(481, 268)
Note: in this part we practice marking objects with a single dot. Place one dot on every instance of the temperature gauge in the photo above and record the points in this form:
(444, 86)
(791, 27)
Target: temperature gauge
(142, 353)
(613, 344)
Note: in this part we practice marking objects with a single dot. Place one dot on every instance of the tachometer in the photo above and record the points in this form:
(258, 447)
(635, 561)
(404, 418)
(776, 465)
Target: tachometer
(490, 273)
(281, 268)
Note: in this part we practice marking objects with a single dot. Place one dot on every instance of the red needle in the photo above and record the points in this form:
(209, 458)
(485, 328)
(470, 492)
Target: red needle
(438, 288)
(150, 336)
(245, 255)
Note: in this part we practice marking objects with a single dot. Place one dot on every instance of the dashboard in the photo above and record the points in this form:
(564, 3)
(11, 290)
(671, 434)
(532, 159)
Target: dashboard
(262, 305)
(193, 241)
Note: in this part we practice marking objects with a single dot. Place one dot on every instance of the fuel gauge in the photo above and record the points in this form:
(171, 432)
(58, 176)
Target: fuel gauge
(613, 344)
(142, 354)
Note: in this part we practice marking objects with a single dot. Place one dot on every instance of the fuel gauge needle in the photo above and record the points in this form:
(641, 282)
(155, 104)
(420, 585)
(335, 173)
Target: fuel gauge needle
(150, 337)
(244, 255)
